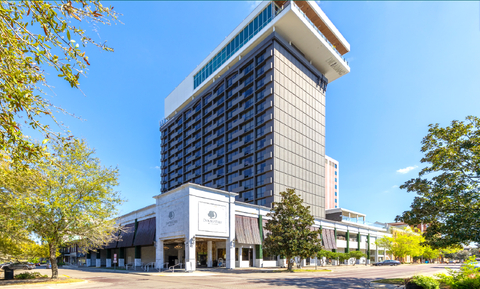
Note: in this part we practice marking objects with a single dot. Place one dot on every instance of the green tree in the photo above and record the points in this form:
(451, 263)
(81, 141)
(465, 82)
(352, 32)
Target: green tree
(355, 255)
(35, 35)
(429, 253)
(71, 199)
(403, 243)
(449, 200)
(290, 229)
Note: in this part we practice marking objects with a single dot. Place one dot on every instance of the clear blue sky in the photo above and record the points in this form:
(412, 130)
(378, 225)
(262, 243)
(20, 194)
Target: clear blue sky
(412, 64)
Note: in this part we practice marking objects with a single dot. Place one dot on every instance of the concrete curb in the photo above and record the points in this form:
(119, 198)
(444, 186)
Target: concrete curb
(38, 285)
(381, 285)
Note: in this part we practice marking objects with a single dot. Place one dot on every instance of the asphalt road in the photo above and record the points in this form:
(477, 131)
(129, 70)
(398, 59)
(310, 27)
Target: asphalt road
(349, 277)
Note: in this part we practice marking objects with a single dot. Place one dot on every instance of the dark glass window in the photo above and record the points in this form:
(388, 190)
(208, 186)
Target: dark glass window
(260, 192)
(261, 168)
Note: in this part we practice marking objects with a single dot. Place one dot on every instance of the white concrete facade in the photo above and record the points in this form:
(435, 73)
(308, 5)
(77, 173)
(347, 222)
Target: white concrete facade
(193, 212)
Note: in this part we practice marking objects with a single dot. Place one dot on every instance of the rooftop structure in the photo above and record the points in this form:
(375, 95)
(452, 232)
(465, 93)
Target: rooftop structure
(301, 23)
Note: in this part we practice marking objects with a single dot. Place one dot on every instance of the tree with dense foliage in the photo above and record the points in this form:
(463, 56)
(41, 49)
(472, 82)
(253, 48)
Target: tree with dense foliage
(403, 243)
(449, 199)
(69, 199)
(430, 253)
(356, 255)
(34, 35)
(290, 229)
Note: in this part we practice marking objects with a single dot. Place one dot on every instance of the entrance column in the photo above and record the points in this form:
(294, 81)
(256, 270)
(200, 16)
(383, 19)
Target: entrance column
(190, 254)
(159, 260)
(209, 254)
(240, 257)
(230, 246)
(180, 255)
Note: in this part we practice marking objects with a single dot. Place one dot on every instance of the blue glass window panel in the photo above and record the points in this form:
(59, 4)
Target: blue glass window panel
(247, 33)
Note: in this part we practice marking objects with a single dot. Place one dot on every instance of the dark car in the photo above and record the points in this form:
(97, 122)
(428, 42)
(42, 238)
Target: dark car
(387, 263)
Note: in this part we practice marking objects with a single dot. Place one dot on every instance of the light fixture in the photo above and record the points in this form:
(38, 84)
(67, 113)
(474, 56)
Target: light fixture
(178, 247)
(165, 247)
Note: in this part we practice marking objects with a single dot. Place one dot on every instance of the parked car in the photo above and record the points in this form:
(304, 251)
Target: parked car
(4, 264)
(475, 264)
(16, 266)
(31, 266)
(387, 263)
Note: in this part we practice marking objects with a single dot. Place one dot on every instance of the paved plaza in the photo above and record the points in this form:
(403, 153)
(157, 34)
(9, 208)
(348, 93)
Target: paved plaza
(343, 277)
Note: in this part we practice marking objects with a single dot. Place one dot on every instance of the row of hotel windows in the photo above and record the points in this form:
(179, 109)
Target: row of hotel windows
(217, 118)
(246, 80)
(177, 158)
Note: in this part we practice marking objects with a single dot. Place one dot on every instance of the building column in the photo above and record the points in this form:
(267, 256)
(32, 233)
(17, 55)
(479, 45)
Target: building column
(335, 233)
(384, 254)
(258, 248)
(347, 250)
(190, 254)
(109, 258)
(240, 255)
(230, 243)
(98, 260)
(159, 252)
(209, 254)
(121, 257)
(138, 256)
(180, 255)
(230, 254)
(89, 259)
(376, 254)
(368, 248)
(359, 238)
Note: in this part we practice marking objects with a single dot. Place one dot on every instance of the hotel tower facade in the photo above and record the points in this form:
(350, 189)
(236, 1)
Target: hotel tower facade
(250, 119)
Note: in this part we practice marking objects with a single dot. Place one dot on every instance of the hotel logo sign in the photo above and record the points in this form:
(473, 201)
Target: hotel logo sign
(212, 218)
(212, 214)
(172, 221)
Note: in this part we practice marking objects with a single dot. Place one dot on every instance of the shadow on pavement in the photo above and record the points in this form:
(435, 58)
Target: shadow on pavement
(315, 282)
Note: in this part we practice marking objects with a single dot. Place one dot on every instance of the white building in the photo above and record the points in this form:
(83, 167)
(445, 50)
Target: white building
(200, 226)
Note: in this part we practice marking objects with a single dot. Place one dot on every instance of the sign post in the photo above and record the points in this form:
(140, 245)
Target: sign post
(114, 261)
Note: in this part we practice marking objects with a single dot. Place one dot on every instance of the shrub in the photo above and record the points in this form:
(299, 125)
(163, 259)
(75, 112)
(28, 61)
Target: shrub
(30, 275)
(466, 278)
(468, 283)
(424, 281)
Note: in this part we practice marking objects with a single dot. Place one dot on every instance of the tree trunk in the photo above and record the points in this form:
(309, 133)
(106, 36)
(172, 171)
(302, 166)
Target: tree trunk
(289, 264)
(53, 260)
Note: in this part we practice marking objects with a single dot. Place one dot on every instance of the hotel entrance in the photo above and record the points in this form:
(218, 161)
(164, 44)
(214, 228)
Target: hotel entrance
(210, 253)
(174, 253)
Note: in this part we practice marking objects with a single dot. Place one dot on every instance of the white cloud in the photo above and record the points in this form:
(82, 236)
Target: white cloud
(394, 186)
(155, 167)
(406, 170)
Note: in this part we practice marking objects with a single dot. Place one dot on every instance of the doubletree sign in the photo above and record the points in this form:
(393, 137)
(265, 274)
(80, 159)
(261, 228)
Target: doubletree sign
(212, 214)
(212, 217)
(172, 221)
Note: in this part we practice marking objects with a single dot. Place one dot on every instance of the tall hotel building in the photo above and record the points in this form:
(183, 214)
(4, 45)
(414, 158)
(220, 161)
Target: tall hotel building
(250, 118)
